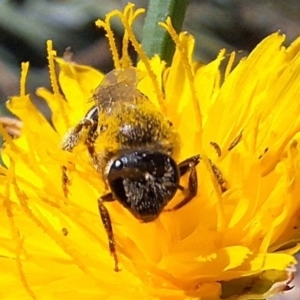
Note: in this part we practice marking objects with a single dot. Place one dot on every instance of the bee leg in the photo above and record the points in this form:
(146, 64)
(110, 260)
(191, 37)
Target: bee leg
(90, 141)
(185, 166)
(70, 141)
(73, 137)
(188, 164)
(108, 227)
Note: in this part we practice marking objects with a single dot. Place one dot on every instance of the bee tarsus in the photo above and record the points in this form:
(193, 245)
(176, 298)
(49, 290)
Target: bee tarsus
(106, 221)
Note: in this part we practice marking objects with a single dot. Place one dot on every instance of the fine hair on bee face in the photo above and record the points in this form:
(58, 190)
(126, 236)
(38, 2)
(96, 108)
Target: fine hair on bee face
(132, 145)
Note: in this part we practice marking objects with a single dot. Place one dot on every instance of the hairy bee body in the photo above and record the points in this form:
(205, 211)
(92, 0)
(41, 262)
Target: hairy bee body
(133, 123)
(133, 127)
(133, 147)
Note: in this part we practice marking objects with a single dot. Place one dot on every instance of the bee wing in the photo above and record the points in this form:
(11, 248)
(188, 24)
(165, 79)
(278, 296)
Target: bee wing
(118, 86)
(128, 76)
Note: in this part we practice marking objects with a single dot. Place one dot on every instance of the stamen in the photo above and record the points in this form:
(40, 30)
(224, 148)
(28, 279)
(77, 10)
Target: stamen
(188, 69)
(126, 61)
(128, 12)
(217, 148)
(217, 83)
(52, 71)
(236, 141)
(54, 81)
(217, 189)
(24, 73)
(142, 55)
(229, 65)
(110, 36)
(219, 177)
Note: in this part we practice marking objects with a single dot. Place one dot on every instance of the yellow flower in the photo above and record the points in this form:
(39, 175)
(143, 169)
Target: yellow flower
(237, 237)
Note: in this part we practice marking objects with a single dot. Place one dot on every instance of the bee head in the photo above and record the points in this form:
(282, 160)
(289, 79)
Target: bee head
(143, 182)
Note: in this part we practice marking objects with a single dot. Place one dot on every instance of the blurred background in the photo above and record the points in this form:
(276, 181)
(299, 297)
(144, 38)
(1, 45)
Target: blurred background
(25, 25)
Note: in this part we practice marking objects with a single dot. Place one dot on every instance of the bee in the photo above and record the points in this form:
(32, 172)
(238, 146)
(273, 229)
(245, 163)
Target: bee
(132, 146)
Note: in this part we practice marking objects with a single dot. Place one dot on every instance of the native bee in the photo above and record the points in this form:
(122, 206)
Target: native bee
(132, 146)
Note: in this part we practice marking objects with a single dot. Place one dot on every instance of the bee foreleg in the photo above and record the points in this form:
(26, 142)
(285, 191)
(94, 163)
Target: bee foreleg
(89, 122)
(90, 142)
(108, 227)
(185, 166)
(73, 136)
(70, 141)
(188, 164)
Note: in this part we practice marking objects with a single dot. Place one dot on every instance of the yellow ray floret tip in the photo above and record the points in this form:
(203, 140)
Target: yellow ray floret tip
(24, 73)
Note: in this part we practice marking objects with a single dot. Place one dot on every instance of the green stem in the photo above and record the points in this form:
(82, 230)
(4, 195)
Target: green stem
(155, 39)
